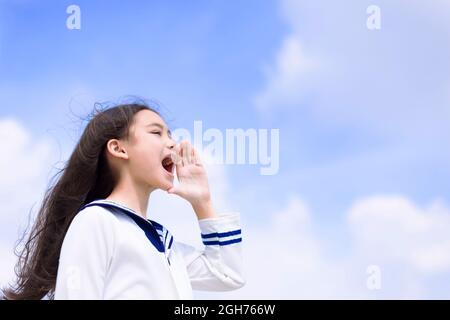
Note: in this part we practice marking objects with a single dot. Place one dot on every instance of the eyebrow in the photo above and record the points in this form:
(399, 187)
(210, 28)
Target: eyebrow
(160, 126)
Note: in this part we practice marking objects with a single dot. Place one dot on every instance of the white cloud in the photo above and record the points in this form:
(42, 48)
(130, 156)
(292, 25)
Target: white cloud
(393, 228)
(24, 167)
(284, 259)
(287, 259)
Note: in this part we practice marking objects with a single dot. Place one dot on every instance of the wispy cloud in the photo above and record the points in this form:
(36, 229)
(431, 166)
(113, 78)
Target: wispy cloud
(292, 78)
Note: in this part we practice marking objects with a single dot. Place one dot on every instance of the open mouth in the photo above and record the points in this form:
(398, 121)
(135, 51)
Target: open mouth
(168, 164)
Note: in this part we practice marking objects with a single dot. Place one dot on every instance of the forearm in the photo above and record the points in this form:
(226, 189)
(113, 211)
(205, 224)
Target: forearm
(204, 210)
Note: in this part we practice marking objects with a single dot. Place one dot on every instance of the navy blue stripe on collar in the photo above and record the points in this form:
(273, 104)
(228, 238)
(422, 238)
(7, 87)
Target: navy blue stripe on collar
(148, 226)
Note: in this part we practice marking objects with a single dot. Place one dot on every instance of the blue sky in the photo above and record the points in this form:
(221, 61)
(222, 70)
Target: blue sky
(361, 113)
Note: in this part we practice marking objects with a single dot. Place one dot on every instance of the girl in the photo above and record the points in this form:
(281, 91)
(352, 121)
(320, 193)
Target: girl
(92, 238)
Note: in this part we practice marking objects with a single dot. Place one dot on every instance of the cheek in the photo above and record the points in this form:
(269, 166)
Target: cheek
(146, 157)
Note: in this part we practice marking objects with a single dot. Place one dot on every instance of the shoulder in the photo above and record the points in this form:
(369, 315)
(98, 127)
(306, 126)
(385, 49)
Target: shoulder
(94, 218)
(90, 239)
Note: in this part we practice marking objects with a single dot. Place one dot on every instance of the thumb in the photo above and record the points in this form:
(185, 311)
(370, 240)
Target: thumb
(175, 190)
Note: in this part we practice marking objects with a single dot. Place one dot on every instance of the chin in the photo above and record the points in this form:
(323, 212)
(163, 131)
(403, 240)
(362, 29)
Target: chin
(162, 183)
(165, 184)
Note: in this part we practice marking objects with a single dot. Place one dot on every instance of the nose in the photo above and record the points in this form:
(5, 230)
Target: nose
(171, 144)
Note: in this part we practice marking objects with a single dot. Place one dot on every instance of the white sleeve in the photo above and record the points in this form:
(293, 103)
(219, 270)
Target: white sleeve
(85, 255)
(219, 267)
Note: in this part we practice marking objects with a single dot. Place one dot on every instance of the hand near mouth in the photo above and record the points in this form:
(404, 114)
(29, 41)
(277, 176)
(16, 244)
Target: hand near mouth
(193, 181)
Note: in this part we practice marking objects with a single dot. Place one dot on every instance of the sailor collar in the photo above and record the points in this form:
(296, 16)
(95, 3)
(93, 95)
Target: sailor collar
(156, 233)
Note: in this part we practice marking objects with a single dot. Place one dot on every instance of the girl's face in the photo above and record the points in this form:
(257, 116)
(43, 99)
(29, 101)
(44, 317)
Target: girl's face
(149, 148)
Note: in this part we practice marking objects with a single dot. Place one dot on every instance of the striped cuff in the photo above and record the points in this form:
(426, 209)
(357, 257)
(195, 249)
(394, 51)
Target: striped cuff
(223, 230)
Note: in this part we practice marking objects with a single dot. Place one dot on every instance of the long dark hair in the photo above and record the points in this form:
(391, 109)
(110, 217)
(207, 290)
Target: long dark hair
(86, 176)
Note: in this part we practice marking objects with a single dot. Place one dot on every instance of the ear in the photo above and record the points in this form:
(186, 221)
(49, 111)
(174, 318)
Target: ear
(117, 149)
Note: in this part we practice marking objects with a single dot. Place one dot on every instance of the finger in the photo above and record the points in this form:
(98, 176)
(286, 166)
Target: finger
(193, 155)
(176, 158)
(197, 159)
(188, 152)
(185, 153)
(180, 154)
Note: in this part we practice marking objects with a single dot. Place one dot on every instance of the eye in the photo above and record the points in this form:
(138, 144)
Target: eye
(157, 132)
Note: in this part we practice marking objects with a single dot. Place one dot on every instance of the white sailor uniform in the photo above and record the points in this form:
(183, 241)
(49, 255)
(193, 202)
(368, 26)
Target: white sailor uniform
(111, 252)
